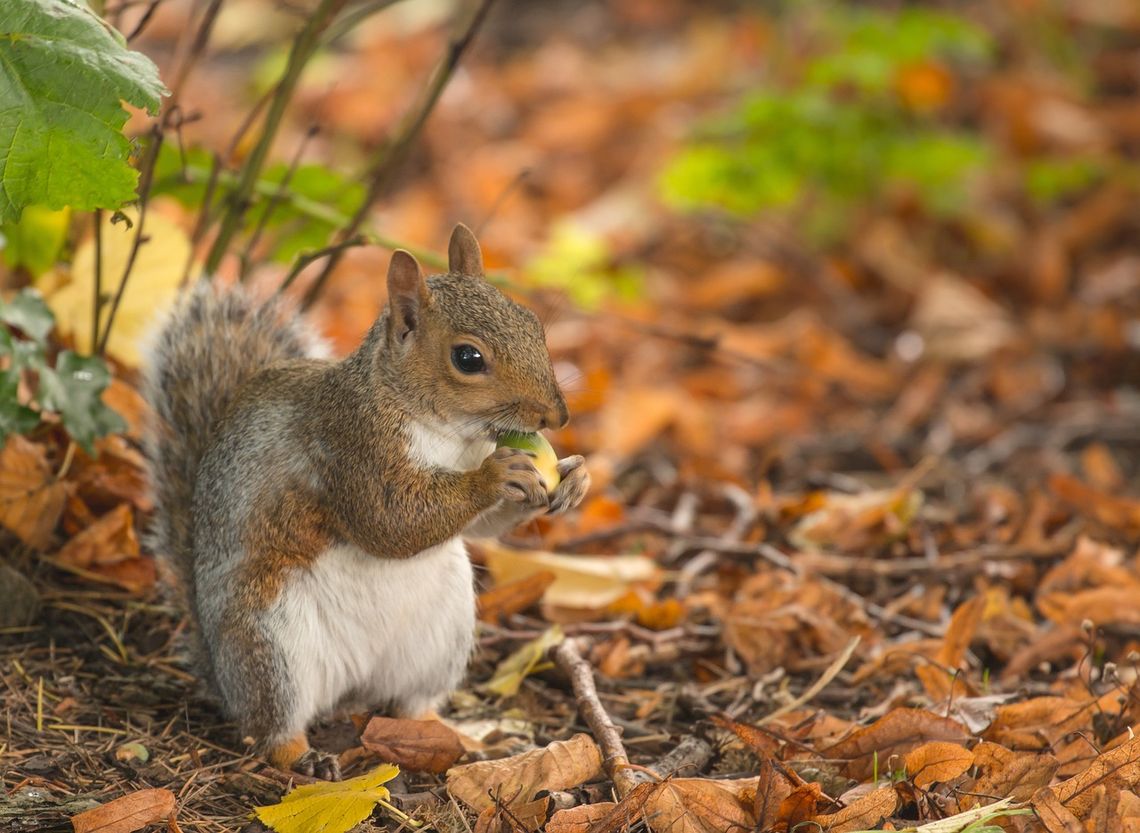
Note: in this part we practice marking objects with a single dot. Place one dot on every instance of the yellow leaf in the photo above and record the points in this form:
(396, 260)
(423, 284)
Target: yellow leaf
(155, 276)
(523, 662)
(331, 807)
(580, 581)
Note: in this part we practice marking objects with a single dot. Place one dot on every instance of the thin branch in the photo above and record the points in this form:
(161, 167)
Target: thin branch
(144, 21)
(97, 304)
(391, 154)
(566, 655)
(238, 201)
(145, 179)
(305, 258)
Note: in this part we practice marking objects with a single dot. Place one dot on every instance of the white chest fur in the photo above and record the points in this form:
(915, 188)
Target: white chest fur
(447, 446)
(363, 631)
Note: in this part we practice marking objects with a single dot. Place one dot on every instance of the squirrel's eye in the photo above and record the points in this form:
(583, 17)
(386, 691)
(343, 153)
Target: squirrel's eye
(467, 359)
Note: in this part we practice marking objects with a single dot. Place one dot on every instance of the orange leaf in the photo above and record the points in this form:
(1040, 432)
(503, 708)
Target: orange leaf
(896, 733)
(699, 805)
(865, 812)
(127, 814)
(416, 745)
(31, 501)
(514, 596)
(1053, 814)
(937, 761)
(1121, 763)
(109, 540)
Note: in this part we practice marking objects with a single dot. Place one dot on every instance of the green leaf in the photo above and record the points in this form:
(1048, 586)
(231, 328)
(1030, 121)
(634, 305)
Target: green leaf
(14, 417)
(28, 312)
(74, 390)
(35, 242)
(63, 75)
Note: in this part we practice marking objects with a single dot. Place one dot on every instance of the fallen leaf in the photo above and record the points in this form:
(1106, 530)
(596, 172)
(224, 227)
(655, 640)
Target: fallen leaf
(701, 805)
(526, 660)
(127, 814)
(1121, 763)
(1053, 814)
(1111, 510)
(895, 734)
(416, 745)
(581, 581)
(605, 816)
(515, 596)
(329, 806)
(866, 812)
(937, 761)
(855, 522)
(31, 500)
(1008, 774)
(109, 540)
(515, 780)
(760, 742)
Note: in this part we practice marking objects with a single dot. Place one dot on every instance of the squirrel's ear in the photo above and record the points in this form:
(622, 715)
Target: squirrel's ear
(407, 295)
(464, 256)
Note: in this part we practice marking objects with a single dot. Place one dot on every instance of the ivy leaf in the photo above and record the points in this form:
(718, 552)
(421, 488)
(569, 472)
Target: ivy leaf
(63, 75)
(28, 313)
(74, 390)
(331, 807)
(14, 417)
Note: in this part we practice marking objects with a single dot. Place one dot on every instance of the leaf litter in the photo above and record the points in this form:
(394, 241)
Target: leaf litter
(925, 438)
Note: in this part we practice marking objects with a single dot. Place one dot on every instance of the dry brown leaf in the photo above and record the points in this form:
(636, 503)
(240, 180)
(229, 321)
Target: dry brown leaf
(417, 745)
(1111, 510)
(759, 741)
(1038, 723)
(513, 596)
(127, 814)
(110, 540)
(865, 813)
(937, 761)
(700, 805)
(772, 788)
(581, 819)
(31, 501)
(800, 806)
(1053, 814)
(898, 732)
(1017, 775)
(1122, 763)
(515, 780)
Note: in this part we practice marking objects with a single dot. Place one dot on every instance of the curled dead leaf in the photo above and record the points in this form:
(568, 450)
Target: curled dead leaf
(937, 761)
(515, 780)
(31, 500)
(865, 813)
(895, 734)
(416, 745)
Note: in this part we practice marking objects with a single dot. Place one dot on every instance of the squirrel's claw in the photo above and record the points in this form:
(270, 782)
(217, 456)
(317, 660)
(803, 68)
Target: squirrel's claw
(574, 486)
(316, 764)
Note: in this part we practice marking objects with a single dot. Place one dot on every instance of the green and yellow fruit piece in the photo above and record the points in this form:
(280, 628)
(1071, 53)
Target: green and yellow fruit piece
(545, 460)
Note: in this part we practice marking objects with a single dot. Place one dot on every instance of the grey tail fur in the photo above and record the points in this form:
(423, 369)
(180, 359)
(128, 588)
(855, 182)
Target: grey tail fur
(212, 343)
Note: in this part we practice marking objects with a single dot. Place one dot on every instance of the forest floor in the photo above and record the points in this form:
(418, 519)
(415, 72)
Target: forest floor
(861, 547)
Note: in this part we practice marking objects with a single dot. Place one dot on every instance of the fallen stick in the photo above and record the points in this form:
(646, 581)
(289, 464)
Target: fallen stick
(567, 656)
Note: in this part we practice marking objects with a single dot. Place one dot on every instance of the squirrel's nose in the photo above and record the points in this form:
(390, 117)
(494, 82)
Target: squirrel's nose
(556, 416)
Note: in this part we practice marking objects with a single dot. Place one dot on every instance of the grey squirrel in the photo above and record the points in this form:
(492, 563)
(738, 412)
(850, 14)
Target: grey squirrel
(314, 510)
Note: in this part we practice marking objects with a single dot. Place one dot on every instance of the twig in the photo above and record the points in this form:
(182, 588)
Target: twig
(390, 156)
(145, 179)
(305, 258)
(567, 656)
(817, 686)
(238, 201)
(144, 20)
(98, 300)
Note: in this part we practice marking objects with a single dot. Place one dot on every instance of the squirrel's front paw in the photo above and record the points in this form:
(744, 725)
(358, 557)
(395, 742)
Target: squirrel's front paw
(516, 478)
(573, 486)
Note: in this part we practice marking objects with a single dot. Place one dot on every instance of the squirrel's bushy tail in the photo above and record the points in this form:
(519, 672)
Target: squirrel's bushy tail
(211, 343)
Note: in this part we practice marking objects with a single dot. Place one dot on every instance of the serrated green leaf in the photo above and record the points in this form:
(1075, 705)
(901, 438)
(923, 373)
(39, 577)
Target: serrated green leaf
(63, 74)
(331, 807)
(28, 312)
(74, 390)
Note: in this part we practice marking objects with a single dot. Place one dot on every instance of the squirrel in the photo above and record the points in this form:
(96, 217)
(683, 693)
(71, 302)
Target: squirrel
(314, 510)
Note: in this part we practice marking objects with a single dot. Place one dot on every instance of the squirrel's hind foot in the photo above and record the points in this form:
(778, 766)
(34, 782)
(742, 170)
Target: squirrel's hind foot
(322, 765)
(295, 754)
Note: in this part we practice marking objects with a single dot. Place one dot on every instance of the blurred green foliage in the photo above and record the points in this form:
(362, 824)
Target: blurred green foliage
(863, 117)
(72, 388)
(580, 264)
